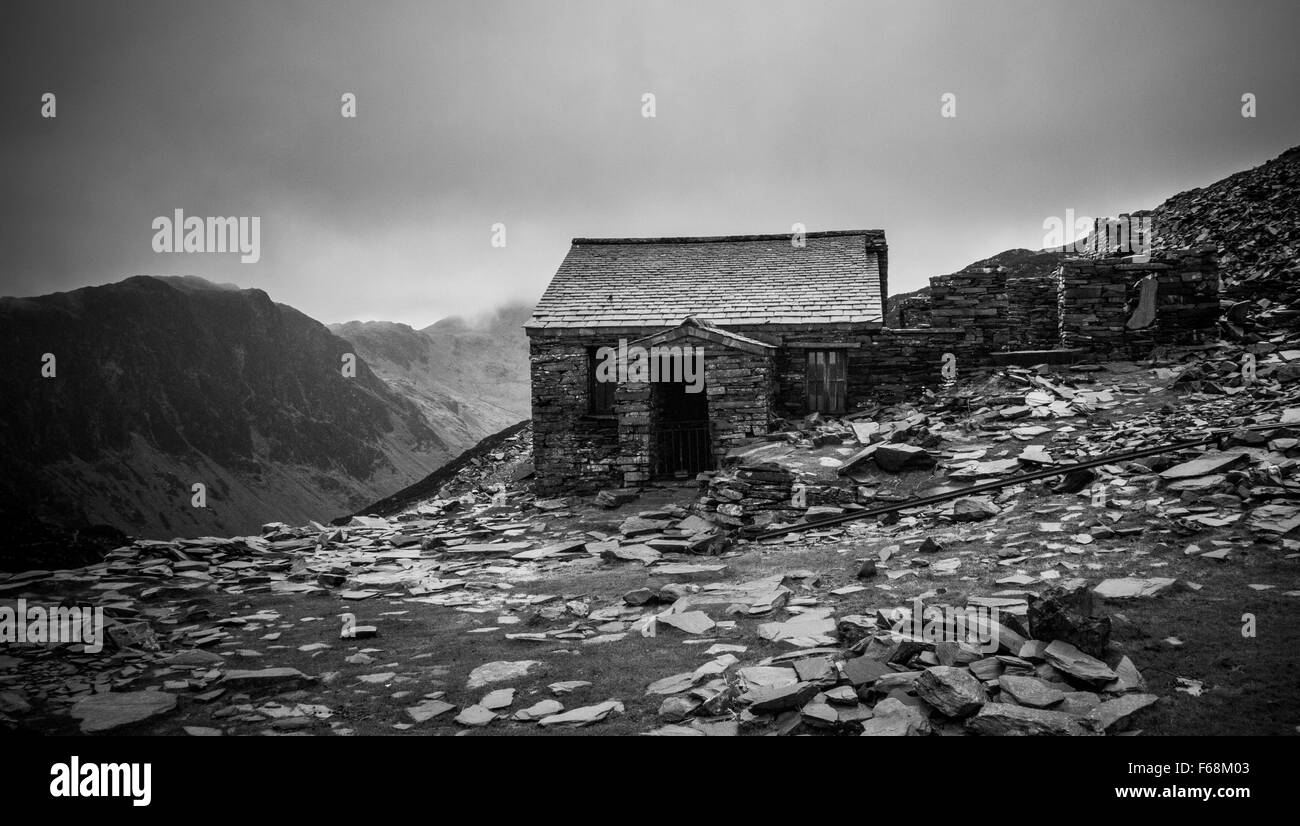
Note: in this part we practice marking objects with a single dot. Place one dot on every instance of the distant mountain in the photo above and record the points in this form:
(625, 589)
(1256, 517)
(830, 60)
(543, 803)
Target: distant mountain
(470, 378)
(161, 383)
(912, 309)
(1022, 262)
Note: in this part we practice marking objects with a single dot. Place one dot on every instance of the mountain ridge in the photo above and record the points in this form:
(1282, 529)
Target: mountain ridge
(163, 382)
(470, 378)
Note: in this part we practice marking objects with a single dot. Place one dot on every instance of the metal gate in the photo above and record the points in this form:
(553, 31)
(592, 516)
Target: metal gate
(682, 448)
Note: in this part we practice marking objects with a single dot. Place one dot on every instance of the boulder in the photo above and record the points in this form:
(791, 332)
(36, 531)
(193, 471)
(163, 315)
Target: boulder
(1134, 587)
(1114, 714)
(1204, 466)
(767, 699)
(538, 711)
(1069, 614)
(105, 712)
(973, 509)
(893, 718)
(266, 679)
(1001, 719)
(1066, 658)
(1030, 691)
(616, 497)
(953, 691)
(864, 671)
(896, 458)
(499, 671)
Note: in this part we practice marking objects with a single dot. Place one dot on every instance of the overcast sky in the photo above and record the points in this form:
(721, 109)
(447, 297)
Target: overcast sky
(530, 114)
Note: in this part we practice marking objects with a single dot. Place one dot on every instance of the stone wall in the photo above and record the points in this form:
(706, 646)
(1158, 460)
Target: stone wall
(909, 311)
(748, 495)
(1097, 297)
(883, 364)
(573, 449)
(570, 448)
(739, 386)
(974, 301)
(976, 313)
(1033, 317)
(904, 361)
(792, 362)
(1126, 234)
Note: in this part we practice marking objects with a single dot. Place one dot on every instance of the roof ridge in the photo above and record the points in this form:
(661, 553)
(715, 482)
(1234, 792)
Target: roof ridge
(718, 239)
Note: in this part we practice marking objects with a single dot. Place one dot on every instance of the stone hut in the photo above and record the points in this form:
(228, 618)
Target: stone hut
(652, 356)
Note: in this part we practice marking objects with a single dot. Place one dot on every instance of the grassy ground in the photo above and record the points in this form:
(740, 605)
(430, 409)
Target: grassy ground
(1251, 685)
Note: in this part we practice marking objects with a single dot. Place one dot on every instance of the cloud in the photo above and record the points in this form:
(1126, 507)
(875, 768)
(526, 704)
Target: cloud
(473, 113)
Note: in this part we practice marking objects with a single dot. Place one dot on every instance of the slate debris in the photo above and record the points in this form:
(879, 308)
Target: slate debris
(880, 685)
(1056, 670)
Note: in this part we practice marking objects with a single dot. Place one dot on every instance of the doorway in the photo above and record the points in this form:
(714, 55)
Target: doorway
(682, 438)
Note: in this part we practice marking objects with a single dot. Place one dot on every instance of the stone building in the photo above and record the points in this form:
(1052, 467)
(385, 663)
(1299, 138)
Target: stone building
(785, 329)
(732, 334)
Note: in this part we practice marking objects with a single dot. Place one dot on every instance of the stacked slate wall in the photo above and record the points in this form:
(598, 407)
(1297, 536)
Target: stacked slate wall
(1033, 317)
(974, 301)
(1098, 296)
(912, 311)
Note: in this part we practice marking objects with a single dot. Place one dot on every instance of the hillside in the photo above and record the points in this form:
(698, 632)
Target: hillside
(1252, 218)
(161, 383)
(468, 378)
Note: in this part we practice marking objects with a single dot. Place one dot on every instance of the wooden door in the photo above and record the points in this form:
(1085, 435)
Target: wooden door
(826, 381)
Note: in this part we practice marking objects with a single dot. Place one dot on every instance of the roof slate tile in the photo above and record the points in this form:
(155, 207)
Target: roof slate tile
(835, 277)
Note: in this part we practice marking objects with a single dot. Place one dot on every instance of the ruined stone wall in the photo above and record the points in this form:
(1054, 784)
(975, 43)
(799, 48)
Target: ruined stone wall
(748, 495)
(905, 361)
(883, 364)
(1126, 234)
(1033, 317)
(911, 311)
(1098, 296)
(974, 301)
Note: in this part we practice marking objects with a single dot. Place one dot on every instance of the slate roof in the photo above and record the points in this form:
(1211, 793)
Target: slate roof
(730, 280)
